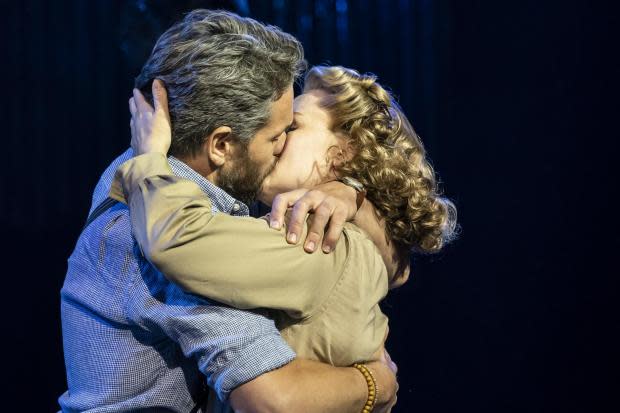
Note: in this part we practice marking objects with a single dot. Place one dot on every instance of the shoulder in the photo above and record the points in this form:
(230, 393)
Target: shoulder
(365, 270)
(358, 243)
(354, 274)
(103, 263)
(105, 181)
(110, 233)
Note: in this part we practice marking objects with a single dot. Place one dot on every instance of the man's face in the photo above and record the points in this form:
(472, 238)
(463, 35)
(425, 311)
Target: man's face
(242, 176)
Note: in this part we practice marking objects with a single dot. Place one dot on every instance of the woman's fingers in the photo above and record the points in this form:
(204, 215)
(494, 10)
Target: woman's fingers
(134, 139)
(160, 97)
(325, 212)
(309, 202)
(334, 231)
(280, 205)
(150, 129)
(298, 220)
(141, 104)
(132, 106)
(278, 210)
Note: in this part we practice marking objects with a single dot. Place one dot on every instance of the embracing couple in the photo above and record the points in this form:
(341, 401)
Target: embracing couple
(175, 300)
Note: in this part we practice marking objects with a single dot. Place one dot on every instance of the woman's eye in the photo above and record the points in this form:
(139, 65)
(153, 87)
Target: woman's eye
(291, 128)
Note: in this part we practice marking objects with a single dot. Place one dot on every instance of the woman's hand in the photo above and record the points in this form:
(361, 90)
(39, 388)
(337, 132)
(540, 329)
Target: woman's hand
(332, 204)
(150, 128)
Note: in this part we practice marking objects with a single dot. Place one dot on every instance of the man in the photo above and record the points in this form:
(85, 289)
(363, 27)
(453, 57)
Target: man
(136, 342)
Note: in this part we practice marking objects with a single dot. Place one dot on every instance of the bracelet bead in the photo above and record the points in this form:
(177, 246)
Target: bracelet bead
(372, 387)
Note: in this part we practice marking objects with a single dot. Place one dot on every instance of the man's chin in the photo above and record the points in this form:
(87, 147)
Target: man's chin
(266, 192)
(244, 180)
(265, 198)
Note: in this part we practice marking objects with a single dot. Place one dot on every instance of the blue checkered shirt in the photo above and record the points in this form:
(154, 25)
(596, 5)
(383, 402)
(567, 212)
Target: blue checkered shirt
(134, 341)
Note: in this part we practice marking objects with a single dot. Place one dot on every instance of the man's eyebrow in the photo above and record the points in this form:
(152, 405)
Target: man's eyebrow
(285, 130)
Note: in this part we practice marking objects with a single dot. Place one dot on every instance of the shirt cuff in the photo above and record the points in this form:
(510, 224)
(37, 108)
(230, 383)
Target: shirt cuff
(131, 173)
(265, 354)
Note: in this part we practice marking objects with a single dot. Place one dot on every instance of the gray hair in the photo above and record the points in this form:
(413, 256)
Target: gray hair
(220, 69)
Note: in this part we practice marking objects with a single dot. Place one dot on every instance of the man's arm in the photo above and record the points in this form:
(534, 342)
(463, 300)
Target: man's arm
(309, 386)
(244, 357)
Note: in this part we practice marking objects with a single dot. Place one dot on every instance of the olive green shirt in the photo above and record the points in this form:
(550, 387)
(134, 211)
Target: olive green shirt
(326, 305)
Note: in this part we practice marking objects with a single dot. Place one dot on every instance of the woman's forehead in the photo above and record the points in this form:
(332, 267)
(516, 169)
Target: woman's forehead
(309, 102)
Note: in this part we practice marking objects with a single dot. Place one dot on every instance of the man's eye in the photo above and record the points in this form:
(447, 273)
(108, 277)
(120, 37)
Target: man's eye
(291, 128)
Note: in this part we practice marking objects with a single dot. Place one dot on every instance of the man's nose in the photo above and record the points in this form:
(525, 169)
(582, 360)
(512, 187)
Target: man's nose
(281, 145)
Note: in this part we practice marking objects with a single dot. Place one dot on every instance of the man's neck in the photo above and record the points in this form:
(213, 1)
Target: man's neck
(201, 165)
(192, 169)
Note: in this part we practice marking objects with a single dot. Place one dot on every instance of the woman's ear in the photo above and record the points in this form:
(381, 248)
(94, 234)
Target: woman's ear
(338, 155)
(219, 146)
(335, 157)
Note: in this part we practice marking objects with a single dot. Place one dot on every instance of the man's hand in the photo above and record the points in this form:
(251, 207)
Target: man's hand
(332, 204)
(150, 128)
(384, 372)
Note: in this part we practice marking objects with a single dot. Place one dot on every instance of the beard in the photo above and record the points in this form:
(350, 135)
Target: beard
(242, 178)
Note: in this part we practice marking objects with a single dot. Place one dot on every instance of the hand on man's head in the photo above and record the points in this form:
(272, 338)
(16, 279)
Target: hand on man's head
(150, 127)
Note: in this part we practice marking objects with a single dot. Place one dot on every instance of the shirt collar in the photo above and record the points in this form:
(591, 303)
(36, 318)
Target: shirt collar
(220, 199)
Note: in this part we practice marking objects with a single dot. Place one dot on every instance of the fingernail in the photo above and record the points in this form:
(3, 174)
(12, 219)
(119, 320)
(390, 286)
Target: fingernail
(327, 249)
(274, 224)
(292, 237)
(310, 246)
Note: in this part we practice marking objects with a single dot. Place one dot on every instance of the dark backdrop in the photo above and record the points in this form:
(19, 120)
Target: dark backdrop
(510, 99)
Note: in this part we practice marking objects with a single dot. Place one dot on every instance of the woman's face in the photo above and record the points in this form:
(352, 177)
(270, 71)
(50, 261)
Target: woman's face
(304, 161)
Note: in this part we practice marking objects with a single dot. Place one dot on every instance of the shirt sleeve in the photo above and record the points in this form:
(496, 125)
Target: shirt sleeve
(230, 346)
(237, 261)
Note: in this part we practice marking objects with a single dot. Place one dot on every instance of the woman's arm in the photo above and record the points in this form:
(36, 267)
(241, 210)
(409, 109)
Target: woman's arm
(320, 202)
(236, 261)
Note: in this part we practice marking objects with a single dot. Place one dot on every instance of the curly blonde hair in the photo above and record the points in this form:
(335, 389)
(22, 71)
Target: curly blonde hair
(388, 158)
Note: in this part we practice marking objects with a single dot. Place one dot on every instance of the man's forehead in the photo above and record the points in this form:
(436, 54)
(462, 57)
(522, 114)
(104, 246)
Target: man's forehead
(282, 110)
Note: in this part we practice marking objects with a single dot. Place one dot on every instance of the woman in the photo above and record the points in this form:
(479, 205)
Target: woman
(345, 125)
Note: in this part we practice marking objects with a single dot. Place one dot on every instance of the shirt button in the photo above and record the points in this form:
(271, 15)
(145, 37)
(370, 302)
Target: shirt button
(236, 207)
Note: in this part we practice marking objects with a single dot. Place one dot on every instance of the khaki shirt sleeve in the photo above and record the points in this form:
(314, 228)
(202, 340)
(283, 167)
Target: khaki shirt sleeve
(238, 261)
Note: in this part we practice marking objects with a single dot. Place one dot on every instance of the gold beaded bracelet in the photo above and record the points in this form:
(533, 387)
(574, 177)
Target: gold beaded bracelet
(373, 391)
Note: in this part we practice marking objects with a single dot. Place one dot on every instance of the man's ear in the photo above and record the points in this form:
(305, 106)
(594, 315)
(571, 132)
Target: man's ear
(219, 146)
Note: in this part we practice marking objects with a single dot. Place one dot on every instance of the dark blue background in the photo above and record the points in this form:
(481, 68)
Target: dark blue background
(515, 102)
